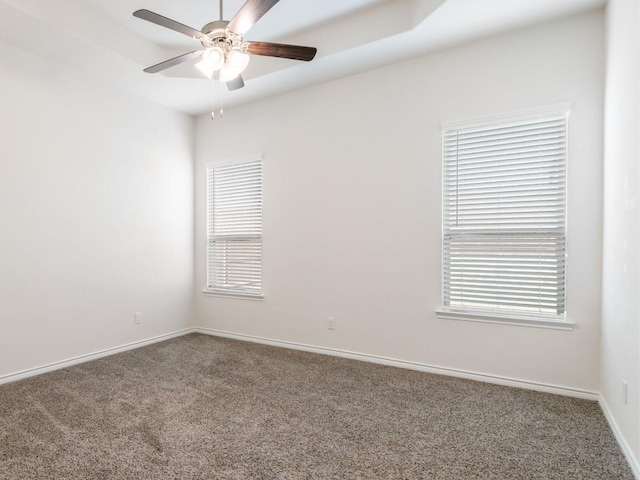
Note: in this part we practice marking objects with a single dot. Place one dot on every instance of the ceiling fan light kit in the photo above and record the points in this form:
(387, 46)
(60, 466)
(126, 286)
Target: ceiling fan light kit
(226, 55)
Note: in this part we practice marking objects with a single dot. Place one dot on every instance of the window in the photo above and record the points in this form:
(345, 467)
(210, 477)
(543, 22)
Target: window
(504, 209)
(234, 227)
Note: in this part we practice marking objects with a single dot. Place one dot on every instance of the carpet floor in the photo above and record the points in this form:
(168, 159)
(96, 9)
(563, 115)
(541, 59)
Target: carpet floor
(200, 407)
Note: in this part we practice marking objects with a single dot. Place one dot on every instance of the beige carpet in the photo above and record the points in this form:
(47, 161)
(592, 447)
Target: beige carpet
(199, 407)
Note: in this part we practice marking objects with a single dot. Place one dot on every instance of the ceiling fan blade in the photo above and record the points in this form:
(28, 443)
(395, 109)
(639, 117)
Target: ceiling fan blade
(235, 84)
(249, 14)
(295, 52)
(167, 23)
(173, 61)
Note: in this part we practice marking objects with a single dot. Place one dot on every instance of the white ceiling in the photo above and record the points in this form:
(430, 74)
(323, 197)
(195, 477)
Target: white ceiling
(101, 38)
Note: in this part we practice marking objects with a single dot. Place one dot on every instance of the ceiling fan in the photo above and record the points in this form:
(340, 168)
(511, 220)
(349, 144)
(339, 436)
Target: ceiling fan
(225, 54)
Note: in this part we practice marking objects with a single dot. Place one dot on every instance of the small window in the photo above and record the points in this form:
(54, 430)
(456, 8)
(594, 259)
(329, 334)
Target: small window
(234, 227)
(504, 218)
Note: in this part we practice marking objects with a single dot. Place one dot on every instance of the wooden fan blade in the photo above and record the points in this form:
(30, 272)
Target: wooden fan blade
(167, 23)
(295, 52)
(173, 61)
(249, 14)
(235, 84)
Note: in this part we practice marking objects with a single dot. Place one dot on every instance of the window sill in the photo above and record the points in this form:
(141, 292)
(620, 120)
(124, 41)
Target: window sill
(243, 296)
(505, 320)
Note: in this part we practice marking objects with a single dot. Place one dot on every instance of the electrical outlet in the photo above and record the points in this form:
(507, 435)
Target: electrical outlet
(331, 323)
(625, 390)
(137, 318)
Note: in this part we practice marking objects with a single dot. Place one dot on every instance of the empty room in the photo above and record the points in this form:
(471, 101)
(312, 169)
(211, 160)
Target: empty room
(309, 239)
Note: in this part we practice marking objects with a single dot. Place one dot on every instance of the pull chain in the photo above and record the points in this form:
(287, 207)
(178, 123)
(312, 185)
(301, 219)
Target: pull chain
(216, 91)
(219, 86)
(213, 99)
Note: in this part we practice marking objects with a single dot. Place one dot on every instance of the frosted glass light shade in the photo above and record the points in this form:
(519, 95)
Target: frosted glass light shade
(212, 60)
(237, 62)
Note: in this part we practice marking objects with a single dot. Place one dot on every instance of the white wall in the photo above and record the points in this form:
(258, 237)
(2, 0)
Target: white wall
(96, 215)
(621, 260)
(352, 202)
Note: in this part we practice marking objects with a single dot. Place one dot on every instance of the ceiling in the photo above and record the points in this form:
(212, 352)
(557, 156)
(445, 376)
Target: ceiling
(101, 38)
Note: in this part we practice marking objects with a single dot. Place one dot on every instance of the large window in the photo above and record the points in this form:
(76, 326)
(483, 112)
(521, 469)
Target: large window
(234, 227)
(504, 225)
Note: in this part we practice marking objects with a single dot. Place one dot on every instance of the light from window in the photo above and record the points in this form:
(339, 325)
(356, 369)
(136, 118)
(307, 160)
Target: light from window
(504, 218)
(234, 228)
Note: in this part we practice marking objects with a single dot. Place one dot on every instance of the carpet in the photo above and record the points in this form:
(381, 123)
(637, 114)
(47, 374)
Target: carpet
(201, 407)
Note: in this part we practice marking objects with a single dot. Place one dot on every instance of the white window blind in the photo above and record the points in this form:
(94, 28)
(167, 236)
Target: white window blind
(504, 210)
(234, 233)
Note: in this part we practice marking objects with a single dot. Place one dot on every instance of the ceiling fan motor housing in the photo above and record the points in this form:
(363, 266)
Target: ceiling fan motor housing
(216, 33)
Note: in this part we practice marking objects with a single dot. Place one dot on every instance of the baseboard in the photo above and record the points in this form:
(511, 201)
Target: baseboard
(633, 462)
(452, 372)
(481, 377)
(13, 377)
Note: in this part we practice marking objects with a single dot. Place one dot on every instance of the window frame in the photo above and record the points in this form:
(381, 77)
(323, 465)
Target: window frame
(230, 292)
(503, 316)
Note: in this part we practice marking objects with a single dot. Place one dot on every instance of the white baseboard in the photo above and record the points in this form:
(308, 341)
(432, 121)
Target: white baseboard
(452, 372)
(633, 462)
(32, 372)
